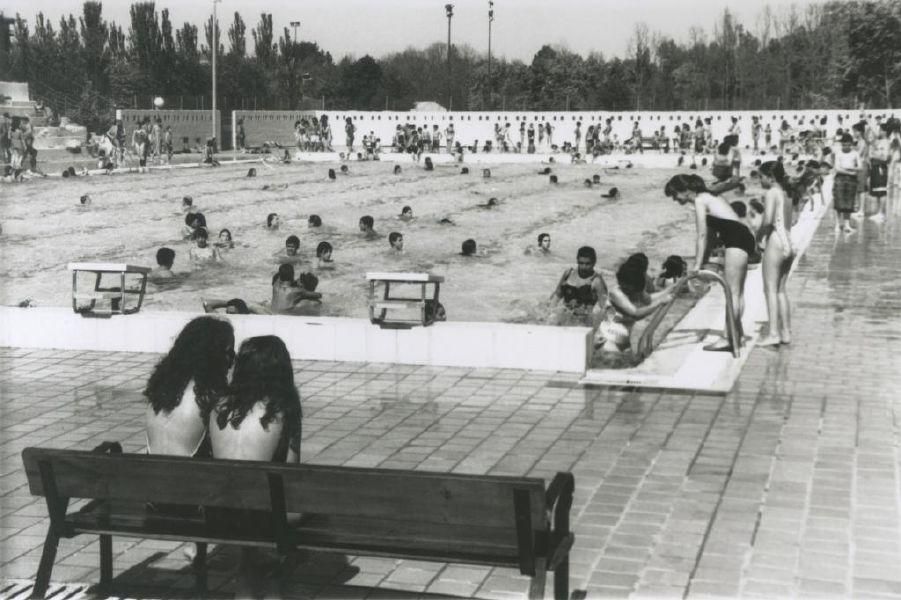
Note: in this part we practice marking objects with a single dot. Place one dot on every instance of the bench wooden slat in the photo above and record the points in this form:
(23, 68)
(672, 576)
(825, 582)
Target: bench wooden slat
(438, 498)
(319, 532)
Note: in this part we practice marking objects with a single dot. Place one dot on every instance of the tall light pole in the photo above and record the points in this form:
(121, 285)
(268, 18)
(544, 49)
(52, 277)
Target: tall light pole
(449, 8)
(295, 25)
(490, 21)
(215, 51)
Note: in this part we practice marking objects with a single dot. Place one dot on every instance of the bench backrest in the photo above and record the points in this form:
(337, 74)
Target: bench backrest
(504, 515)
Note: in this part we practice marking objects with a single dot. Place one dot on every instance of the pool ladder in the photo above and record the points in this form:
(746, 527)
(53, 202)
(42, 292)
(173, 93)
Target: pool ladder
(646, 342)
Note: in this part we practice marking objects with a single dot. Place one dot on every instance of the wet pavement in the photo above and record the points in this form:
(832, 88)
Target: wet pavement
(786, 487)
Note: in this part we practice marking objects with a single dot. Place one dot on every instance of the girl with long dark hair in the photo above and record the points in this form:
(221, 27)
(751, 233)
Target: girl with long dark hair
(260, 417)
(186, 384)
(713, 215)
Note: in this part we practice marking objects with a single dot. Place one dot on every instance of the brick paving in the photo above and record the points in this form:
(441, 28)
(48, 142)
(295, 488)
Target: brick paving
(786, 487)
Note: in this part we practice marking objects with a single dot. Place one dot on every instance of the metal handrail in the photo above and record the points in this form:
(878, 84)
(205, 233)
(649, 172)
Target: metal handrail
(645, 343)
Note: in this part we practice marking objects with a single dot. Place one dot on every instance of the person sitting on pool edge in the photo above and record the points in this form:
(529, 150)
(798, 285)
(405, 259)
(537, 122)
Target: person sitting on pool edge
(366, 227)
(396, 240)
(582, 290)
(544, 245)
(627, 303)
(165, 258)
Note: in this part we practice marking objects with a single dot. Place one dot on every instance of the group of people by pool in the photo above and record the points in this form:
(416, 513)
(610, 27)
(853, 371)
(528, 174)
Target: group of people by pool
(206, 401)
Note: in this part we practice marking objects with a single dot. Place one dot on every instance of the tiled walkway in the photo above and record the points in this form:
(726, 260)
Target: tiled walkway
(786, 487)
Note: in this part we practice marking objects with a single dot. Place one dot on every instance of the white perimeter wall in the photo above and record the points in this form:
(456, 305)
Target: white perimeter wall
(478, 345)
(478, 125)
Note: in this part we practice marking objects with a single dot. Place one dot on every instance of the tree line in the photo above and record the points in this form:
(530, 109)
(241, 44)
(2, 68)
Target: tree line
(839, 54)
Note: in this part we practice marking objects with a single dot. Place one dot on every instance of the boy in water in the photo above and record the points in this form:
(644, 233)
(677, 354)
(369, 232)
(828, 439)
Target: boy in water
(396, 240)
(290, 253)
(162, 274)
(367, 223)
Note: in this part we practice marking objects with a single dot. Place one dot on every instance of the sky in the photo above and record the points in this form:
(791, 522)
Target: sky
(520, 28)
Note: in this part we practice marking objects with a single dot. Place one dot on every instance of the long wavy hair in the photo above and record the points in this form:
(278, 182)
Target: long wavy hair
(263, 373)
(202, 352)
(685, 183)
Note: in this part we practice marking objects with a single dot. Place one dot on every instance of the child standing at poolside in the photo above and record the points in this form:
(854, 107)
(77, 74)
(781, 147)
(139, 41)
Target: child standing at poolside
(844, 188)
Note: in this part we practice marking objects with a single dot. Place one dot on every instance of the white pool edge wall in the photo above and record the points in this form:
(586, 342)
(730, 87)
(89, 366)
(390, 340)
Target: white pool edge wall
(451, 344)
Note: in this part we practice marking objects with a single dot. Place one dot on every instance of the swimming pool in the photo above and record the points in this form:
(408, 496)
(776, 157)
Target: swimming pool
(131, 216)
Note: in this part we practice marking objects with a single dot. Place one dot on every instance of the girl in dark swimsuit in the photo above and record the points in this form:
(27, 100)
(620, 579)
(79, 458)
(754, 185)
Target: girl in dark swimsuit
(714, 215)
(582, 289)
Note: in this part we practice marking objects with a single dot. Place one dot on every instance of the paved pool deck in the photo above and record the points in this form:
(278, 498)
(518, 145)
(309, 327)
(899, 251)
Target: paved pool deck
(788, 486)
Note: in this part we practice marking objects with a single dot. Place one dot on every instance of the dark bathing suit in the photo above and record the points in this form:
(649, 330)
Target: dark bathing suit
(583, 296)
(733, 234)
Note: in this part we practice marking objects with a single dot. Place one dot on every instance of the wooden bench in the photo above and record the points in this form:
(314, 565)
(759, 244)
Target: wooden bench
(476, 519)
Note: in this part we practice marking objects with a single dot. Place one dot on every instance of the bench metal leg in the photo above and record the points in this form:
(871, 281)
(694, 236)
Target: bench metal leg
(48, 556)
(199, 565)
(536, 586)
(561, 580)
(106, 560)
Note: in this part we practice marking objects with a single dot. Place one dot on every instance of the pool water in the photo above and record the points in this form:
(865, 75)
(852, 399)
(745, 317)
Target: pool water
(131, 216)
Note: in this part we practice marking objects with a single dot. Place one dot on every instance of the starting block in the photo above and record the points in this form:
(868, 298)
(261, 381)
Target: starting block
(420, 311)
(110, 299)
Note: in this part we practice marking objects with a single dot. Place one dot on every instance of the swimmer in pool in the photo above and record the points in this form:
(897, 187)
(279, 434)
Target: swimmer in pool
(225, 241)
(543, 247)
(627, 303)
(187, 204)
(396, 240)
(286, 293)
(234, 306)
(162, 274)
(468, 248)
(290, 253)
(193, 222)
(324, 256)
(673, 269)
(406, 214)
(582, 290)
(640, 261)
(202, 253)
(272, 221)
(492, 203)
(714, 216)
(367, 223)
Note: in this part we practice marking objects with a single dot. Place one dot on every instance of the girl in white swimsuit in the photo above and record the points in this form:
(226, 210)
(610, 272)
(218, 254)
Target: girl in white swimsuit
(778, 253)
